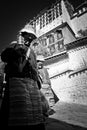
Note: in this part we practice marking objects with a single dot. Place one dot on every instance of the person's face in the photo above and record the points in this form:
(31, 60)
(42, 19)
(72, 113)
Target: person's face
(27, 39)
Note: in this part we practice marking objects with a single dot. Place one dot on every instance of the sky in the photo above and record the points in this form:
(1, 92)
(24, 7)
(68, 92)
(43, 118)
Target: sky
(15, 14)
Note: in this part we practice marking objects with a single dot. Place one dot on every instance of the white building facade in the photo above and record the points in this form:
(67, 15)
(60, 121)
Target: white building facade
(64, 48)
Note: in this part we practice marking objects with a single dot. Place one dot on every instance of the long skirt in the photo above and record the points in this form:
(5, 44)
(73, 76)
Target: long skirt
(23, 103)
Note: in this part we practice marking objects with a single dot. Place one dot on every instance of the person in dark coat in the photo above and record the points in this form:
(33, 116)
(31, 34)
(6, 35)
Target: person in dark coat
(46, 87)
(22, 106)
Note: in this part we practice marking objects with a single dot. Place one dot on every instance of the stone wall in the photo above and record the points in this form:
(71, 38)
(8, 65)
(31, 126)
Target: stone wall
(79, 22)
(77, 57)
(71, 87)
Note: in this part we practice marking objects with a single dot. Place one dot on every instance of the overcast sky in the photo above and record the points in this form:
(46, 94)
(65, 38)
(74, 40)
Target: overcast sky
(15, 14)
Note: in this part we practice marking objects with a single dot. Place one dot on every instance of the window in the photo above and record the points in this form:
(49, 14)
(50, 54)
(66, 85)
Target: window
(52, 49)
(37, 21)
(57, 10)
(54, 13)
(84, 9)
(61, 45)
(51, 39)
(43, 20)
(40, 22)
(60, 9)
(56, 47)
(80, 11)
(46, 18)
(50, 15)
(34, 24)
(44, 42)
(59, 34)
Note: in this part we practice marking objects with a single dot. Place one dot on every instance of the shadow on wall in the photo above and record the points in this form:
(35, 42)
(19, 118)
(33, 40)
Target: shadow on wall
(55, 97)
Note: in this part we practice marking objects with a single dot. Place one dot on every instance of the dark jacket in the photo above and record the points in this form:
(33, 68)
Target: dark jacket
(17, 65)
(22, 100)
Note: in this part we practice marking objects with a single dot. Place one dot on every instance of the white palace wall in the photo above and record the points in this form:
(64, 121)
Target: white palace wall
(71, 89)
(72, 86)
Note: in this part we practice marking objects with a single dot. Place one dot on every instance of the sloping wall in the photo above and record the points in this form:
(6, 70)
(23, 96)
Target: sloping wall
(68, 36)
(79, 23)
(71, 89)
(70, 85)
(78, 57)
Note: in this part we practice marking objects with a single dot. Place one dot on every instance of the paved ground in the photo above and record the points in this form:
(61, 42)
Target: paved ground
(68, 117)
(53, 124)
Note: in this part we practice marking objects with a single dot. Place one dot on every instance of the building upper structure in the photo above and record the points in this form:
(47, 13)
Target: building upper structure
(60, 12)
(56, 27)
(53, 28)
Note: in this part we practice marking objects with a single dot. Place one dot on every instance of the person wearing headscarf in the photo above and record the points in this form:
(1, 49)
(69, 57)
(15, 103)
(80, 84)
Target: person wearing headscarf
(46, 87)
(23, 106)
